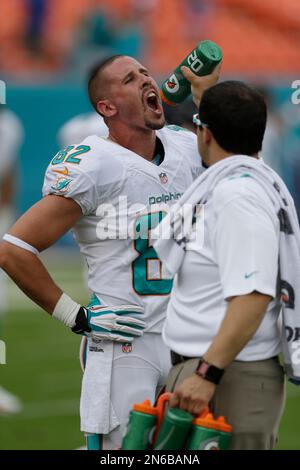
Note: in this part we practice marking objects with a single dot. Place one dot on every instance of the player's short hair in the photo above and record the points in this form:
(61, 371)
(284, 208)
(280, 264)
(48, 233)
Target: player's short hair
(94, 79)
(236, 114)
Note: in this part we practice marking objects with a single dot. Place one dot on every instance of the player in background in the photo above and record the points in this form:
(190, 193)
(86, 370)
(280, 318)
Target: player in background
(11, 138)
(110, 190)
(81, 126)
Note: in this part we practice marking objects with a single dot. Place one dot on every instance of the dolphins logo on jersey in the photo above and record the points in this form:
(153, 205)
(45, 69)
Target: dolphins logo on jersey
(62, 185)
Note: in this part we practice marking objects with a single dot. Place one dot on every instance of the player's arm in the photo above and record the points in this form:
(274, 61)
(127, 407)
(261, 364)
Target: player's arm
(36, 230)
(41, 226)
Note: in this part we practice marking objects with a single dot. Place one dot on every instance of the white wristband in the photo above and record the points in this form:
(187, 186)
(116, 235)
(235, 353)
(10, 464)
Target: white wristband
(66, 310)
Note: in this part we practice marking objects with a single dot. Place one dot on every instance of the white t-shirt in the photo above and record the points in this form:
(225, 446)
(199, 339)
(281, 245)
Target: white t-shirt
(239, 256)
(98, 174)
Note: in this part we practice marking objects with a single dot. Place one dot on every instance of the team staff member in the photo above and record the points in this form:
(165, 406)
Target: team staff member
(224, 305)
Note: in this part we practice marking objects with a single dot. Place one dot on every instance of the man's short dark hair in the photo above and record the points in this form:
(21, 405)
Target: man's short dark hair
(236, 114)
(94, 90)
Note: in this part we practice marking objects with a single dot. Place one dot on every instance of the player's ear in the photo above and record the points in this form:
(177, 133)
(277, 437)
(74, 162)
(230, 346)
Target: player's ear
(106, 108)
(207, 135)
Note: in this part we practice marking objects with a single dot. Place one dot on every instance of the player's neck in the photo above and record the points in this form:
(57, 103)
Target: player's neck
(142, 143)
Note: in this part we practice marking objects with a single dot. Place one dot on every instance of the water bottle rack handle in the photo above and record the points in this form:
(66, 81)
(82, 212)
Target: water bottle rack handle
(162, 402)
(161, 406)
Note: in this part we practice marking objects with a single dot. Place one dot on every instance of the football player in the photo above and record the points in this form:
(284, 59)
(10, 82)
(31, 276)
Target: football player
(112, 191)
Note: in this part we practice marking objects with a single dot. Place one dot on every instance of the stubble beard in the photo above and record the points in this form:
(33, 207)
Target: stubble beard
(155, 126)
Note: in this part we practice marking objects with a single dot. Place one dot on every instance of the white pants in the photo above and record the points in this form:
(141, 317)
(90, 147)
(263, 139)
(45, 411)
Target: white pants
(138, 373)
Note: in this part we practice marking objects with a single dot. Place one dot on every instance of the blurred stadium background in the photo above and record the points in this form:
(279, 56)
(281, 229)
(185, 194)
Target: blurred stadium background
(46, 48)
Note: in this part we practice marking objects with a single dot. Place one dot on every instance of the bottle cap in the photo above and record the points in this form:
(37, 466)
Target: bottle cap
(146, 408)
(204, 412)
(210, 50)
(223, 426)
(206, 421)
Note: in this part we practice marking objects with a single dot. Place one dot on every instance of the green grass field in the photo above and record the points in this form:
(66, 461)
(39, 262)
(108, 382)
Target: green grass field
(42, 367)
(43, 370)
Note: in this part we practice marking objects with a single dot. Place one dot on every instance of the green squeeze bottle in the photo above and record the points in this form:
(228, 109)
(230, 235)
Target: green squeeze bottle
(209, 433)
(201, 60)
(226, 433)
(174, 430)
(142, 421)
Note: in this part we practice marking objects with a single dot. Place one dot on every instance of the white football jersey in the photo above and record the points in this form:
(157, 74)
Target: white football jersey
(122, 197)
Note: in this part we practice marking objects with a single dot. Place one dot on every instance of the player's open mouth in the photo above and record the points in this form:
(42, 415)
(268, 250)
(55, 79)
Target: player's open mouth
(152, 101)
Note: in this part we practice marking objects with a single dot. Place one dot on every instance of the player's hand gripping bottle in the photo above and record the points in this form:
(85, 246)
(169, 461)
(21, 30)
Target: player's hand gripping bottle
(201, 60)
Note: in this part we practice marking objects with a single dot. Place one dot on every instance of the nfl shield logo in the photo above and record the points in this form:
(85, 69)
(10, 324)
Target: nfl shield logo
(127, 348)
(163, 178)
